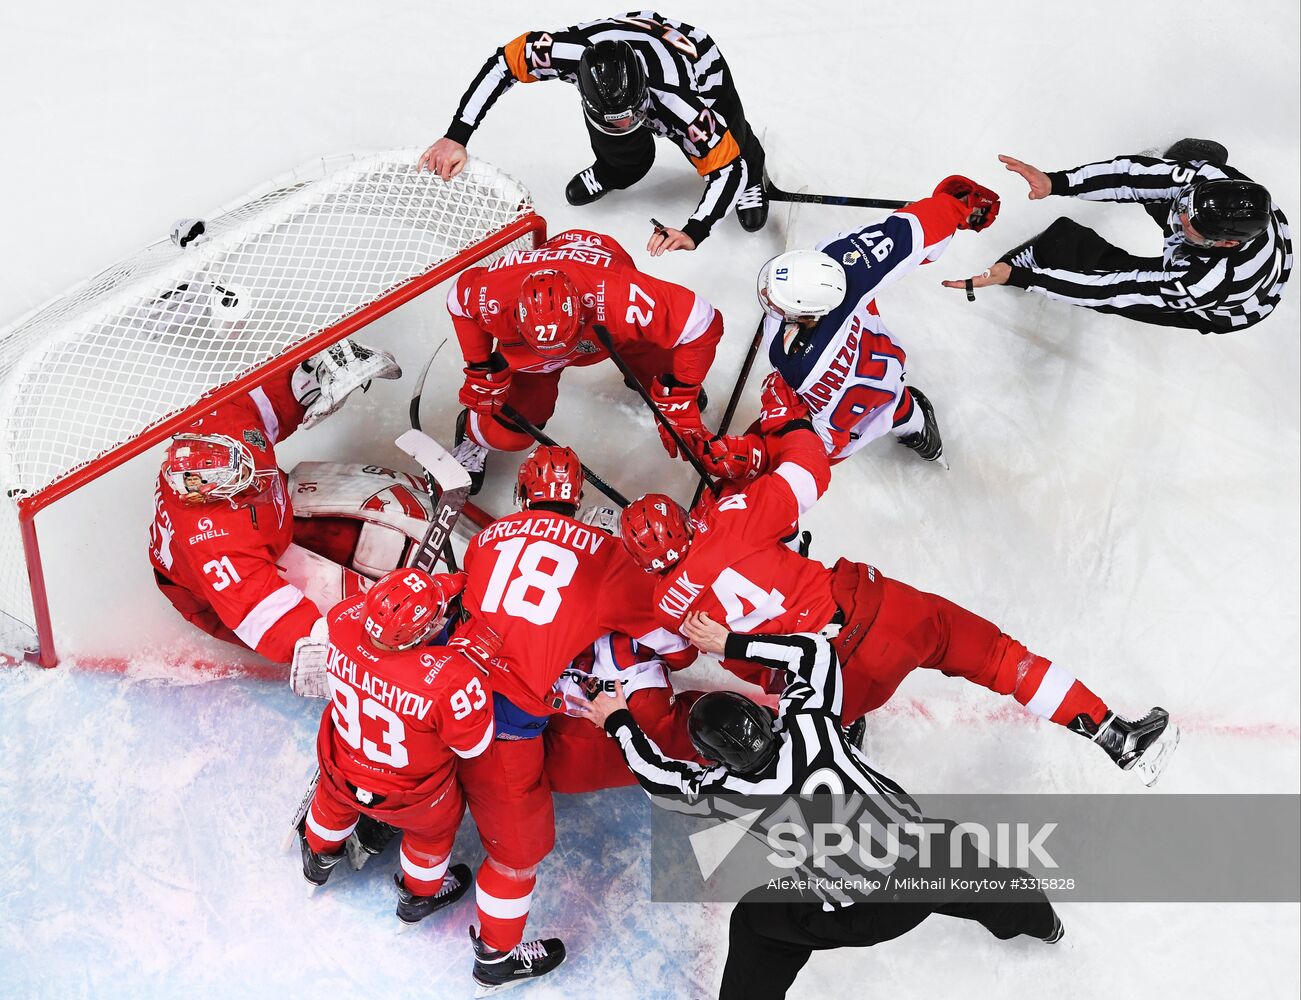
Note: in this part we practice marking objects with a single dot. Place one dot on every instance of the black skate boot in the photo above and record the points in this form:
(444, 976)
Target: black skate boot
(856, 732)
(316, 867)
(412, 908)
(1021, 255)
(1057, 933)
(752, 208)
(1189, 150)
(586, 187)
(495, 971)
(472, 456)
(926, 442)
(1144, 746)
(369, 839)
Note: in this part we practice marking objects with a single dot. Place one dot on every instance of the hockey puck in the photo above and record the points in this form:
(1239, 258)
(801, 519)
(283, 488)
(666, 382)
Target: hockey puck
(971, 291)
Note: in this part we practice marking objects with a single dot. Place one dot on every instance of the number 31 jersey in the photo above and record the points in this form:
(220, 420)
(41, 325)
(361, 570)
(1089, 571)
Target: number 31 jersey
(398, 720)
(550, 586)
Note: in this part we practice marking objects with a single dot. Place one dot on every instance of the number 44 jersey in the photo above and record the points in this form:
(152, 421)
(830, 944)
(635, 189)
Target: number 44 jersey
(398, 719)
(550, 586)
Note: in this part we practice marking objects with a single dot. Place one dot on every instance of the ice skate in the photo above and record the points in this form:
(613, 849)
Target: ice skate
(316, 867)
(412, 908)
(926, 442)
(495, 971)
(1144, 746)
(369, 839)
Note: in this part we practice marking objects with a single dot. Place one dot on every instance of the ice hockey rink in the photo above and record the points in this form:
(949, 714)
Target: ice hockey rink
(1123, 498)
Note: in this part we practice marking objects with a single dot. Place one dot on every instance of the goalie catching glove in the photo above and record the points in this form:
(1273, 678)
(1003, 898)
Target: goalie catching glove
(982, 202)
(680, 404)
(325, 380)
(486, 385)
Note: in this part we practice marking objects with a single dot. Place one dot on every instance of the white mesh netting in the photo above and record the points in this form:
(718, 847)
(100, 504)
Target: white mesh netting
(144, 339)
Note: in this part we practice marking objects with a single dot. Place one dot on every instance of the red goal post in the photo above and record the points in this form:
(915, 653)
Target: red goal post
(124, 360)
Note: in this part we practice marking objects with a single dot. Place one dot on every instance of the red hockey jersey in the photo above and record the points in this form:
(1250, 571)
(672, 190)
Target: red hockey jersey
(398, 720)
(216, 562)
(737, 569)
(550, 586)
(639, 311)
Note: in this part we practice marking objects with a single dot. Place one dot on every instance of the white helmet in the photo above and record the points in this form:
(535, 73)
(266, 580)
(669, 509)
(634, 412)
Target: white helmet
(801, 284)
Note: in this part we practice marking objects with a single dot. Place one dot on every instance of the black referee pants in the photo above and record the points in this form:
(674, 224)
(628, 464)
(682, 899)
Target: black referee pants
(769, 942)
(623, 160)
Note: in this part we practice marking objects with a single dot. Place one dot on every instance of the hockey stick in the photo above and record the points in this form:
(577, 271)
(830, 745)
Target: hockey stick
(775, 193)
(735, 398)
(537, 434)
(417, 394)
(603, 335)
(453, 485)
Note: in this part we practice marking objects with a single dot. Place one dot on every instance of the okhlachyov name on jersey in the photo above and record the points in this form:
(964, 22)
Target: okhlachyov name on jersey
(842, 849)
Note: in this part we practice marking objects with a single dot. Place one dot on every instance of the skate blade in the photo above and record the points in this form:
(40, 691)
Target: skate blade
(481, 990)
(942, 462)
(1153, 763)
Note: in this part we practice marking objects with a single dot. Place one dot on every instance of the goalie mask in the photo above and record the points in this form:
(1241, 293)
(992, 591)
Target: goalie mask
(405, 606)
(548, 313)
(800, 285)
(200, 468)
(656, 531)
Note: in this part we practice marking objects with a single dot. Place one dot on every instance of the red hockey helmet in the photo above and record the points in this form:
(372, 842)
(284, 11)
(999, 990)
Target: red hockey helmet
(548, 313)
(656, 531)
(406, 605)
(551, 474)
(204, 467)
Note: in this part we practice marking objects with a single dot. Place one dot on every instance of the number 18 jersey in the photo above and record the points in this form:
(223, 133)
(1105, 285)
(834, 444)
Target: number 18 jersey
(550, 586)
(398, 719)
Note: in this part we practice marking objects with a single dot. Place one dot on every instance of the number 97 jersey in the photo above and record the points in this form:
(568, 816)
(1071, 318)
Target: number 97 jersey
(398, 719)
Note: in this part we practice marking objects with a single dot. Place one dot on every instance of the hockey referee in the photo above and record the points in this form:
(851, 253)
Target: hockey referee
(1227, 248)
(805, 752)
(636, 75)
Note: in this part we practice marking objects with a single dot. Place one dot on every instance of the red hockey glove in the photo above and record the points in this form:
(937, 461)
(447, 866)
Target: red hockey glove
(736, 456)
(486, 385)
(981, 200)
(779, 404)
(476, 640)
(680, 404)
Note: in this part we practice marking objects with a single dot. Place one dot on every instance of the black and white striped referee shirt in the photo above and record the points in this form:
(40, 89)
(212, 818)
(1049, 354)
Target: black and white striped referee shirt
(1214, 291)
(814, 758)
(685, 73)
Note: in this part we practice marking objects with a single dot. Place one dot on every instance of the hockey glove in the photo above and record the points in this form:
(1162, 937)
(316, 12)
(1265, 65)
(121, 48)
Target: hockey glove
(680, 404)
(982, 202)
(486, 385)
(325, 380)
(736, 456)
(779, 405)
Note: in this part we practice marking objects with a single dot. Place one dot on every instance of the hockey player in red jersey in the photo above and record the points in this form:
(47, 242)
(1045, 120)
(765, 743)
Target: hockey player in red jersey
(526, 317)
(728, 562)
(221, 539)
(577, 758)
(402, 714)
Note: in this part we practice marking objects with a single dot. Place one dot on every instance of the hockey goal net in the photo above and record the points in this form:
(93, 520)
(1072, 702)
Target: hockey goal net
(123, 360)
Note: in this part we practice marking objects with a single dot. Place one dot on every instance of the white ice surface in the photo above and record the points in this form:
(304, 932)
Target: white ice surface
(1123, 498)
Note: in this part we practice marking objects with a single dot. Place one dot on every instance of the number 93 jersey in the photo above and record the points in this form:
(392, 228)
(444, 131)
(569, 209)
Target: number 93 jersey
(397, 720)
(550, 586)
